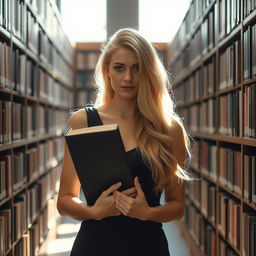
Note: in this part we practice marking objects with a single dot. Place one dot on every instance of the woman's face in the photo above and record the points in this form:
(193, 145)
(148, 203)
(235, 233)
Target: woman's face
(123, 72)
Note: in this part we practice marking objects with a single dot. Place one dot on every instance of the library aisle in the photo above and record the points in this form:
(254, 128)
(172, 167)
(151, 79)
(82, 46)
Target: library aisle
(68, 229)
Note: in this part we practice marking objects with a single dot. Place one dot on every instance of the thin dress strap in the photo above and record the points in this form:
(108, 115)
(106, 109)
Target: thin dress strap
(93, 118)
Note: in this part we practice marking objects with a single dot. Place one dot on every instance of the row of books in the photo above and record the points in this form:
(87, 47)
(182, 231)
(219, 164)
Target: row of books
(52, 91)
(209, 32)
(208, 241)
(28, 165)
(18, 18)
(203, 83)
(60, 68)
(6, 230)
(229, 226)
(250, 111)
(249, 6)
(229, 16)
(193, 189)
(87, 60)
(229, 221)
(224, 249)
(229, 168)
(85, 97)
(5, 60)
(32, 211)
(5, 174)
(203, 196)
(250, 178)
(203, 233)
(249, 46)
(230, 59)
(230, 163)
(46, 15)
(198, 84)
(230, 114)
(18, 21)
(229, 110)
(204, 117)
(248, 233)
(190, 22)
(32, 33)
(201, 39)
(207, 152)
(208, 118)
(29, 121)
(18, 72)
(85, 79)
(230, 66)
(208, 200)
(43, 14)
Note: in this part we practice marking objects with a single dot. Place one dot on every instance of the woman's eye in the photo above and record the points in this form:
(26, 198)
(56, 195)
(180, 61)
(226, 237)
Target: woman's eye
(119, 68)
(136, 68)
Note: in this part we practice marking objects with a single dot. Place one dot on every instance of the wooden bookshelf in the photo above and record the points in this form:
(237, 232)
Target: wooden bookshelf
(212, 60)
(86, 56)
(36, 89)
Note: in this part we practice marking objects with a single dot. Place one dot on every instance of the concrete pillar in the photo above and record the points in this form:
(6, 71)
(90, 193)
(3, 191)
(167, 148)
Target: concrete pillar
(122, 14)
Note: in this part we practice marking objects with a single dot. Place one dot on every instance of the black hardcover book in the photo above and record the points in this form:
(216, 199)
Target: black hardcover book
(99, 158)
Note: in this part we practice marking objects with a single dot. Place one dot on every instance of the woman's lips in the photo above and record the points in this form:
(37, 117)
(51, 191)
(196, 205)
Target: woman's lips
(127, 87)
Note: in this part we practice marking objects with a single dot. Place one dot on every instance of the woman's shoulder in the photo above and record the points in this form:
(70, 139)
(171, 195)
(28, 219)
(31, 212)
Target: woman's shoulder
(78, 119)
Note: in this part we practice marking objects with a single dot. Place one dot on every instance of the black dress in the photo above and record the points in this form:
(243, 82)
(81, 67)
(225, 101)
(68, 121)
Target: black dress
(122, 235)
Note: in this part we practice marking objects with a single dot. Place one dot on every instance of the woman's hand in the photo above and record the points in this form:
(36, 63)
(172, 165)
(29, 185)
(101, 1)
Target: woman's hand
(133, 207)
(131, 192)
(105, 204)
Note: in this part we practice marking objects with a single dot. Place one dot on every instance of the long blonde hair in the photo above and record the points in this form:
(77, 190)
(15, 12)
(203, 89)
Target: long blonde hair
(155, 106)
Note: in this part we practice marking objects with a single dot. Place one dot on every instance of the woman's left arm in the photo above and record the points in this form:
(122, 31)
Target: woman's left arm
(174, 206)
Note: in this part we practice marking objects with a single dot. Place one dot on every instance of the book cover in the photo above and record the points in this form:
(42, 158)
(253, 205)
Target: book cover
(99, 158)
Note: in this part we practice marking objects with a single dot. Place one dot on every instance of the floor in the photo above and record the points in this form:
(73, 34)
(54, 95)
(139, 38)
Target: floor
(68, 229)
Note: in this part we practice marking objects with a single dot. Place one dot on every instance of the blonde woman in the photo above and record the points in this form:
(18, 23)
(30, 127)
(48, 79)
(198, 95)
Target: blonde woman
(133, 93)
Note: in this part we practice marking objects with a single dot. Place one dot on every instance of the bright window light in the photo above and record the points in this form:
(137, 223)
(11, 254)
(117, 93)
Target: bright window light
(159, 20)
(84, 20)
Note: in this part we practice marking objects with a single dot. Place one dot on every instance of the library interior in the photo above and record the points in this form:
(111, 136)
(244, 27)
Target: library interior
(45, 74)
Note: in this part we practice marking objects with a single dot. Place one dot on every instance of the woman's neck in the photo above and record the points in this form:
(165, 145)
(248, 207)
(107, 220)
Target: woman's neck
(123, 108)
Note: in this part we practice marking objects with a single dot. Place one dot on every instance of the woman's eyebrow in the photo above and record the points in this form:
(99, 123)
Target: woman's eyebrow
(119, 63)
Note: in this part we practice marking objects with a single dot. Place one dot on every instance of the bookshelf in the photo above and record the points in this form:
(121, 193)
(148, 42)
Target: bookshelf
(86, 56)
(213, 63)
(36, 90)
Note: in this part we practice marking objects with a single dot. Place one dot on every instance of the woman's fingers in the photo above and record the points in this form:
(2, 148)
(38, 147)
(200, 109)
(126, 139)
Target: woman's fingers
(111, 189)
(130, 192)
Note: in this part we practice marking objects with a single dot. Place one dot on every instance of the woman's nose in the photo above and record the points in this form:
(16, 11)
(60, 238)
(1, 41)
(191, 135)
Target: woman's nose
(128, 75)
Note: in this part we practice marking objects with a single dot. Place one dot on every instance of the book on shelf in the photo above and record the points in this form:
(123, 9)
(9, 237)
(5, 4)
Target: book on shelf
(250, 177)
(248, 233)
(99, 158)
(229, 169)
(229, 219)
(87, 59)
(250, 111)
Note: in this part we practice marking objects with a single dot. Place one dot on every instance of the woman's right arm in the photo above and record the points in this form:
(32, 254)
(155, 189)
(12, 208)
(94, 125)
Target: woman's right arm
(68, 203)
